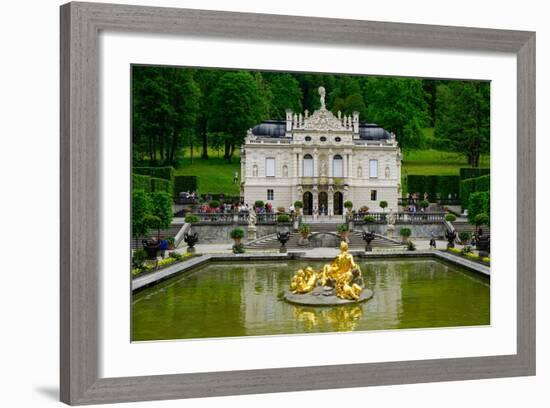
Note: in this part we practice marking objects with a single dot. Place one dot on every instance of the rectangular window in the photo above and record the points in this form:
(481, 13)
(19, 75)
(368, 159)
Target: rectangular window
(337, 167)
(373, 195)
(270, 167)
(373, 168)
(270, 194)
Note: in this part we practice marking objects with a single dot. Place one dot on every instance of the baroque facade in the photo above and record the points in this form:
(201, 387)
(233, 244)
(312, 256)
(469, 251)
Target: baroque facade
(321, 159)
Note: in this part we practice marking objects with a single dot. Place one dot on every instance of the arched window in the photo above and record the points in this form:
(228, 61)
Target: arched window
(308, 165)
(337, 166)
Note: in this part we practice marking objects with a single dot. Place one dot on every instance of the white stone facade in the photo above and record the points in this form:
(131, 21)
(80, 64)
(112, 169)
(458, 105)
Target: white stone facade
(322, 160)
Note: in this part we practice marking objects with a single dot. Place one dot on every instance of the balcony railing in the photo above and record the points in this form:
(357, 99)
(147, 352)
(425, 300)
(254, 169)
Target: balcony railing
(404, 201)
(402, 217)
(240, 217)
(321, 181)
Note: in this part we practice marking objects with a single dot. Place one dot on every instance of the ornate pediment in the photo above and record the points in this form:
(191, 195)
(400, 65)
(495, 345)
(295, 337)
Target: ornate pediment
(323, 119)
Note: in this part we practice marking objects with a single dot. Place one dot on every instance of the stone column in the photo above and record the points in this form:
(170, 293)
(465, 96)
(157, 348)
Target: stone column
(330, 203)
(329, 164)
(315, 163)
(350, 164)
(345, 165)
(315, 203)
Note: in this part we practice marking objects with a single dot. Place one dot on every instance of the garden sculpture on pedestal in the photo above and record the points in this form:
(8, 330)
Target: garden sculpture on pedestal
(391, 219)
(251, 224)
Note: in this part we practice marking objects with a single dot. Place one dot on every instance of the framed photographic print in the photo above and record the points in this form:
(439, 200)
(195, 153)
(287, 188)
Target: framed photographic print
(261, 203)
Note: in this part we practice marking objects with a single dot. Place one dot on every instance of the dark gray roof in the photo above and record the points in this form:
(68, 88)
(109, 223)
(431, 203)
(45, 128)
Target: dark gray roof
(371, 131)
(277, 128)
(270, 128)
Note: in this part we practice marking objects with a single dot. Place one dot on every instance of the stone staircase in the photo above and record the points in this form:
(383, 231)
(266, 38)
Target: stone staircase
(355, 240)
(461, 225)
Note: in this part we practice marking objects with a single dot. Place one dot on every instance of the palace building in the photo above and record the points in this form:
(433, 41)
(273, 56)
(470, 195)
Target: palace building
(321, 159)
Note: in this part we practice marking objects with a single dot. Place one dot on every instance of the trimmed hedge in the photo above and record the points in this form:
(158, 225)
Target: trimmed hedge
(166, 173)
(140, 182)
(474, 185)
(473, 172)
(478, 203)
(185, 183)
(158, 184)
(435, 186)
(151, 184)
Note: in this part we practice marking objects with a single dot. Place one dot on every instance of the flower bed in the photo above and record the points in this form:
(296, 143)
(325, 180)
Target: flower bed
(470, 255)
(149, 266)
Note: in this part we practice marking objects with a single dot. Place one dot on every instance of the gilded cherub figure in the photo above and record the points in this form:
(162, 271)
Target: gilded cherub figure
(343, 274)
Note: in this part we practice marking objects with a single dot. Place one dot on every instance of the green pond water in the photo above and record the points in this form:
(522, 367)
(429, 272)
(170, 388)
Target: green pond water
(243, 299)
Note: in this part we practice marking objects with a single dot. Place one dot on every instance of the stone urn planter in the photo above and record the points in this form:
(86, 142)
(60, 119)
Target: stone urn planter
(283, 237)
(450, 236)
(151, 247)
(191, 240)
(368, 237)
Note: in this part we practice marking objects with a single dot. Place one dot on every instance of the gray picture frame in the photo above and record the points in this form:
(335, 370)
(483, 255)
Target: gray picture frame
(81, 24)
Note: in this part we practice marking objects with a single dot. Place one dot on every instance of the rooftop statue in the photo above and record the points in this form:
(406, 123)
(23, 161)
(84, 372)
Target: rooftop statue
(322, 94)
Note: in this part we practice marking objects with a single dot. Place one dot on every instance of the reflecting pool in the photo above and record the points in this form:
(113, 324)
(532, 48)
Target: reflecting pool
(244, 299)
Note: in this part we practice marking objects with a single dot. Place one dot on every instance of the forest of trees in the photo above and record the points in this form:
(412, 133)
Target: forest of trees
(178, 108)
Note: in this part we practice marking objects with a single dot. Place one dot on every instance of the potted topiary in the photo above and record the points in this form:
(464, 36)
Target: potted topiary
(424, 204)
(464, 237)
(383, 205)
(298, 205)
(481, 219)
(348, 205)
(343, 231)
(237, 234)
(258, 204)
(191, 219)
(368, 219)
(214, 204)
(405, 233)
(283, 218)
(450, 217)
(171, 242)
(304, 229)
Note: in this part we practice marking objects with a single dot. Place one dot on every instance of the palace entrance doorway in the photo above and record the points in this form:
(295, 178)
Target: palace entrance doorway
(323, 203)
(338, 203)
(308, 203)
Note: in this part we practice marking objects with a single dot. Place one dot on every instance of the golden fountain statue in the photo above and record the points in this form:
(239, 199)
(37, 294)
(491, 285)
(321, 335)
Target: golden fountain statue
(341, 279)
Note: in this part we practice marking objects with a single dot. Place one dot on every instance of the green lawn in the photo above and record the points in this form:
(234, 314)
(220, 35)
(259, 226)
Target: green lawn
(214, 175)
(427, 162)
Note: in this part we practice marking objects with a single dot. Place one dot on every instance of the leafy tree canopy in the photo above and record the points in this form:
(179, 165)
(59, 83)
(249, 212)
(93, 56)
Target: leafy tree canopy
(463, 118)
